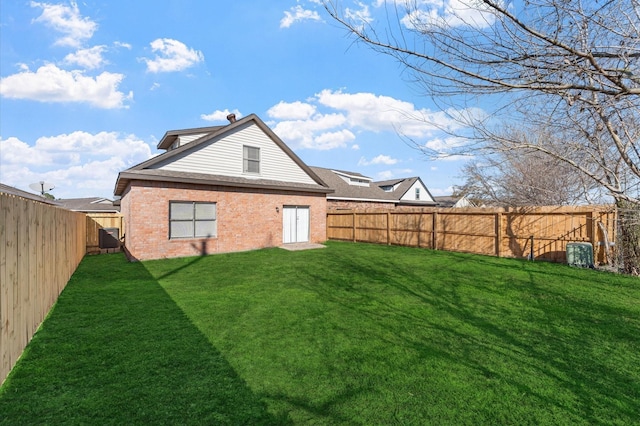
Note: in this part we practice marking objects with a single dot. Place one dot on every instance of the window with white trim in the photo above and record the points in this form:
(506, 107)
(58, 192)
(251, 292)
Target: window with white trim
(192, 219)
(250, 159)
(417, 193)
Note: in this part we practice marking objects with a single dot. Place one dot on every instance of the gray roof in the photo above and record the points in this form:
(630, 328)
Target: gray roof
(24, 194)
(450, 201)
(390, 182)
(344, 191)
(89, 205)
(142, 172)
(217, 180)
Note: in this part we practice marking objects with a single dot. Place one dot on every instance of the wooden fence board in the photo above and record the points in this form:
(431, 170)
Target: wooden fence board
(40, 247)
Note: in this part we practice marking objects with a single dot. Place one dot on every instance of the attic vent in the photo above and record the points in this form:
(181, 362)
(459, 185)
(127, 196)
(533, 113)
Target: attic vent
(231, 118)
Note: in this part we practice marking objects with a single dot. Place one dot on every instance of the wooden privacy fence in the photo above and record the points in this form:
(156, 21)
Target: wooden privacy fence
(541, 232)
(40, 248)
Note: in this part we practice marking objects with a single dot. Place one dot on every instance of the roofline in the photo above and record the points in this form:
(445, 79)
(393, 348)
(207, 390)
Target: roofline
(16, 192)
(351, 174)
(361, 199)
(170, 136)
(221, 131)
(94, 211)
(417, 202)
(128, 176)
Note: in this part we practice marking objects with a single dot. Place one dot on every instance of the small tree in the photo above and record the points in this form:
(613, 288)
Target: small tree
(568, 67)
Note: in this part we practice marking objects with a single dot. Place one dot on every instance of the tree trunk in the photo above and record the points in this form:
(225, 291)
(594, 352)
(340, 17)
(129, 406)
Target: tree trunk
(629, 236)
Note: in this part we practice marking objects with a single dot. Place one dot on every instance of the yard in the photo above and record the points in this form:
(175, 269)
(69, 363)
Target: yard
(349, 334)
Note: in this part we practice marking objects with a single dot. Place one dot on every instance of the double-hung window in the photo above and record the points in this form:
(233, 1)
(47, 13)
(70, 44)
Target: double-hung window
(250, 159)
(190, 219)
(417, 193)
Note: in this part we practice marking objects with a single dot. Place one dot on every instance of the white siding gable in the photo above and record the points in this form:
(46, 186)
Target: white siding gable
(410, 195)
(223, 156)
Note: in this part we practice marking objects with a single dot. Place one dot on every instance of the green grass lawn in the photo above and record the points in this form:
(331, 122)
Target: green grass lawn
(350, 334)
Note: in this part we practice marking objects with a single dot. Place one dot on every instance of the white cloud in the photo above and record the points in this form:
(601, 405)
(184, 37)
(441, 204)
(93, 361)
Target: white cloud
(79, 163)
(309, 133)
(385, 175)
(122, 44)
(291, 111)
(15, 151)
(446, 144)
(172, 55)
(383, 113)
(380, 159)
(359, 16)
(330, 119)
(450, 13)
(220, 115)
(443, 149)
(52, 84)
(90, 58)
(331, 140)
(298, 14)
(355, 147)
(68, 21)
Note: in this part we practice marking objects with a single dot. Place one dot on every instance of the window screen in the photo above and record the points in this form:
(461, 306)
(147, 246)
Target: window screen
(251, 159)
(192, 219)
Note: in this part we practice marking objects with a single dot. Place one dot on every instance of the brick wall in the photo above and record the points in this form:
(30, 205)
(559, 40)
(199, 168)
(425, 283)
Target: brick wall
(247, 219)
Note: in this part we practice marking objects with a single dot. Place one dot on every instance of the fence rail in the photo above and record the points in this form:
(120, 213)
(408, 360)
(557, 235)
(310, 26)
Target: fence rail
(40, 248)
(541, 232)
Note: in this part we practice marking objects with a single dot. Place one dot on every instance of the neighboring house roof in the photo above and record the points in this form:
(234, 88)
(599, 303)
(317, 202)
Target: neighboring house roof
(186, 161)
(400, 189)
(342, 190)
(89, 205)
(24, 194)
(454, 202)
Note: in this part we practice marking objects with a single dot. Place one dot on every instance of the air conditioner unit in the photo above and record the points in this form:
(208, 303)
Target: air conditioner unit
(109, 238)
(580, 255)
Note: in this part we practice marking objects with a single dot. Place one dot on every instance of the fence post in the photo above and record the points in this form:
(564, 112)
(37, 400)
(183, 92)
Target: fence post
(498, 233)
(388, 229)
(435, 230)
(354, 227)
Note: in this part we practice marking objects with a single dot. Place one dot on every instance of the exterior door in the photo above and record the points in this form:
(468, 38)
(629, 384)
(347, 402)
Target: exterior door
(295, 224)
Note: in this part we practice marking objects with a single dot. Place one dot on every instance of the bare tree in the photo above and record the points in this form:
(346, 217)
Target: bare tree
(524, 178)
(569, 67)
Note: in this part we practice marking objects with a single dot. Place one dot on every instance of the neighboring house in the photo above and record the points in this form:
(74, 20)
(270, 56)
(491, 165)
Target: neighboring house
(89, 205)
(220, 189)
(355, 191)
(408, 192)
(6, 189)
(454, 202)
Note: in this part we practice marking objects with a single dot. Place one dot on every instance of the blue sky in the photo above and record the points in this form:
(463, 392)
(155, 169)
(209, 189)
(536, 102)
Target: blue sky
(87, 89)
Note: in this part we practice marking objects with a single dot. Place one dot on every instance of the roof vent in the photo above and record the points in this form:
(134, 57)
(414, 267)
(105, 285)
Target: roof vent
(232, 118)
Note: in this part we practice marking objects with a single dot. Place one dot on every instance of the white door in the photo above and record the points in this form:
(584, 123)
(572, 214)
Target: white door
(295, 224)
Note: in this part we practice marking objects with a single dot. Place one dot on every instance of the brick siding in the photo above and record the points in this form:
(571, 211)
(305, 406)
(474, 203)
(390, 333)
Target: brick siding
(247, 219)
